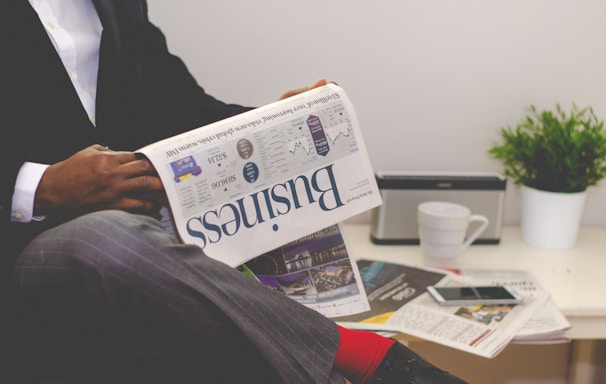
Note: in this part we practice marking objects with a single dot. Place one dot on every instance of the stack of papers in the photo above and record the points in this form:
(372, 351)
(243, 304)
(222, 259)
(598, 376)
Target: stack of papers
(399, 302)
(547, 326)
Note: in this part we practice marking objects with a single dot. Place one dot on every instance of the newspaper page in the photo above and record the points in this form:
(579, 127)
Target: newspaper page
(317, 271)
(547, 326)
(399, 302)
(248, 184)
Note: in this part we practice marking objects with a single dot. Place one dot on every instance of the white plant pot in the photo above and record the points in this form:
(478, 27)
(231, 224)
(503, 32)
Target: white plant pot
(551, 220)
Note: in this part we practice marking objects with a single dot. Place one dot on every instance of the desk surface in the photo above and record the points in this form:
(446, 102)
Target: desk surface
(575, 278)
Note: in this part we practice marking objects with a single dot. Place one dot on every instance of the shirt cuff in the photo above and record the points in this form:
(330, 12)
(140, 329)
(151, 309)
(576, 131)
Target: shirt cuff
(25, 192)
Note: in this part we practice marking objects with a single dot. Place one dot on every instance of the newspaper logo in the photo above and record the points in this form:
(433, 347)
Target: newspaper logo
(278, 200)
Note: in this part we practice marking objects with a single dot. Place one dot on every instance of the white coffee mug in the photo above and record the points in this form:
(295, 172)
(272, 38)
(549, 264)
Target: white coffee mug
(443, 228)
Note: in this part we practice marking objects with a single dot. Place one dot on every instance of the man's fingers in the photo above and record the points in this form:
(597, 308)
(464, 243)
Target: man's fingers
(142, 184)
(296, 91)
(135, 168)
(319, 83)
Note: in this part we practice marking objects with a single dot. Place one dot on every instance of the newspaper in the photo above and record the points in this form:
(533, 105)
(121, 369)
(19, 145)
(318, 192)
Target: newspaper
(248, 184)
(317, 271)
(547, 326)
(399, 303)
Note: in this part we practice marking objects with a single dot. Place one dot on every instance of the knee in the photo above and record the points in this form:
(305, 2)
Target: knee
(100, 228)
(94, 237)
(112, 220)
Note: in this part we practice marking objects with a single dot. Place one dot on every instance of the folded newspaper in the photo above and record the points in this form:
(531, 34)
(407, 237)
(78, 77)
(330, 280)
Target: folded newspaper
(399, 303)
(251, 183)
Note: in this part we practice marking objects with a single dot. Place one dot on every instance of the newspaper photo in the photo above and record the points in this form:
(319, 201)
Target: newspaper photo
(399, 303)
(248, 184)
(316, 271)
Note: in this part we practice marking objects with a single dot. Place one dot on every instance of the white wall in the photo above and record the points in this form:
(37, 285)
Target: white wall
(432, 80)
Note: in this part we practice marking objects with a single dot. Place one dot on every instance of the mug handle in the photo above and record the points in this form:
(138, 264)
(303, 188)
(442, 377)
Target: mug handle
(483, 220)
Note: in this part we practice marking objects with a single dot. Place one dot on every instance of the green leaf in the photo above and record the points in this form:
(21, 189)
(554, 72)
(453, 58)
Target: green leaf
(556, 151)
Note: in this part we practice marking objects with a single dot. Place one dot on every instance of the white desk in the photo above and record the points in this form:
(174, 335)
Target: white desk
(575, 278)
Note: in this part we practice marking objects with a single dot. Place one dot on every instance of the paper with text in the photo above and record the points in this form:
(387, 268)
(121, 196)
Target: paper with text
(399, 303)
(246, 185)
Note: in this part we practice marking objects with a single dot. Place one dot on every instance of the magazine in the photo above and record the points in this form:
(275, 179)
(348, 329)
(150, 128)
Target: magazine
(399, 303)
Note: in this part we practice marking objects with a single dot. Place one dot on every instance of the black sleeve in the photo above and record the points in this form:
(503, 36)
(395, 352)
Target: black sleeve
(181, 102)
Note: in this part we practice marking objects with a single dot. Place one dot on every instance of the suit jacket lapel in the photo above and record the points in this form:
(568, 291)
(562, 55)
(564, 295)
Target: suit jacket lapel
(109, 18)
(116, 76)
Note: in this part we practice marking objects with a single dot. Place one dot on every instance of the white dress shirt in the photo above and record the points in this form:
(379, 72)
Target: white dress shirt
(74, 28)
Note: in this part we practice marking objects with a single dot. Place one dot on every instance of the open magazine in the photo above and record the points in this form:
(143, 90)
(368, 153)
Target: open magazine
(399, 303)
(251, 183)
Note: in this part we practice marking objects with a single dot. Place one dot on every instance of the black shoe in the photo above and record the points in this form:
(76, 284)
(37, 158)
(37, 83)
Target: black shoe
(403, 366)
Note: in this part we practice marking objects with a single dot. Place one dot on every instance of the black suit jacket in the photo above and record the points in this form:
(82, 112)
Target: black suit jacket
(144, 94)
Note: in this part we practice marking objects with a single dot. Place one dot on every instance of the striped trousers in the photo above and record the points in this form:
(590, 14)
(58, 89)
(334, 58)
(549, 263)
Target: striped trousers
(83, 285)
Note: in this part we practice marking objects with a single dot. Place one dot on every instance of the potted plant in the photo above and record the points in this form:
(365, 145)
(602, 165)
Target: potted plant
(553, 156)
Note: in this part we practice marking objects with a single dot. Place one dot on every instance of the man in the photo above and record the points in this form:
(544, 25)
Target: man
(84, 83)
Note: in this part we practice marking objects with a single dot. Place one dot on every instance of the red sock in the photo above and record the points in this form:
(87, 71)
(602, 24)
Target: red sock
(360, 353)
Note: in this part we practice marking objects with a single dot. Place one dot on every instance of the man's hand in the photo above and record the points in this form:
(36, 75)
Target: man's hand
(97, 178)
(293, 92)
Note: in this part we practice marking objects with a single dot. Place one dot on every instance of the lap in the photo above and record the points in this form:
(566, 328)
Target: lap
(112, 267)
(89, 282)
(106, 293)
